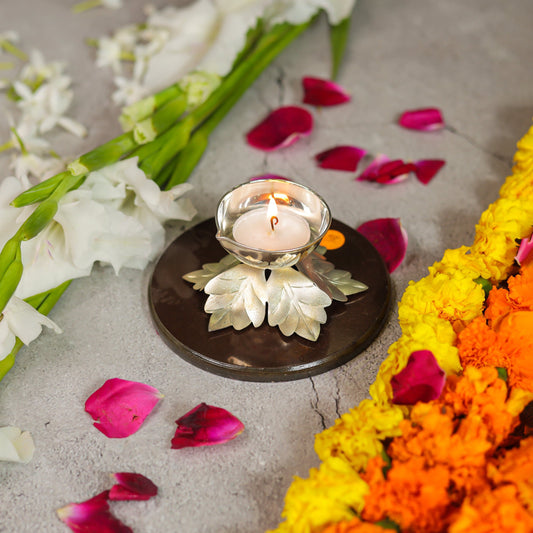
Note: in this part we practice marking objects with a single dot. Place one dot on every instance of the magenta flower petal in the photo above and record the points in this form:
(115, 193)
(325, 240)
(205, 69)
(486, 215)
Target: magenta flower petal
(281, 128)
(131, 486)
(120, 406)
(341, 158)
(526, 245)
(426, 169)
(92, 515)
(428, 119)
(384, 171)
(389, 239)
(422, 380)
(206, 425)
(321, 92)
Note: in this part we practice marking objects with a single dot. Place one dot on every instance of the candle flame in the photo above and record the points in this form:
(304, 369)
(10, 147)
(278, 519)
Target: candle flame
(272, 212)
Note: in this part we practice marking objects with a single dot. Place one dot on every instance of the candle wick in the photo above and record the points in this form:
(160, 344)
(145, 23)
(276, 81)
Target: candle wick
(273, 221)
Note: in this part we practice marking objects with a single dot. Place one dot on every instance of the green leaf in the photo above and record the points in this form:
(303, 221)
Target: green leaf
(486, 285)
(502, 373)
(387, 523)
(388, 462)
(338, 37)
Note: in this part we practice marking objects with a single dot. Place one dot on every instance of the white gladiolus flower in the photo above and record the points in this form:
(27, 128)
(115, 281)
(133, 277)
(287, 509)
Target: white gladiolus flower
(16, 445)
(109, 54)
(20, 319)
(115, 217)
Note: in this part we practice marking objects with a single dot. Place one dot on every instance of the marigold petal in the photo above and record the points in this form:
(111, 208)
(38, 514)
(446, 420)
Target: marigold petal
(426, 119)
(281, 128)
(422, 379)
(426, 169)
(92, 515)
(120, 406)
(206, 425)
(389, 239)
(342, 157)
(131, 486)
(320, 92)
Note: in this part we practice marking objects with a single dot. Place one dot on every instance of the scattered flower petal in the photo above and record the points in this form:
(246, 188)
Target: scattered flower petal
(526, 245)
(429, 119)
(384, 171)
(120, 406)
(131, 486)
(389, 239)
(281, 128)
(422, 380)
(16, 445)
(92, 515)
(426, 169)
(341, 158)
(321, 92)
(206, 425)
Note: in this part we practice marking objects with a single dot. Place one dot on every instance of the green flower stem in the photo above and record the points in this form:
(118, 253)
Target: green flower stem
(148, 129)
(6, 65)
(10, 279)
(44, 303)
(10, 48)
(338, 36)
(86, 5)
(229, 94)
(41, 191)
(147, 106)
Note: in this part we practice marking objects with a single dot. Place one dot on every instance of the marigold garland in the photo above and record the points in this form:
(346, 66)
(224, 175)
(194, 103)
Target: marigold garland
(455, 461)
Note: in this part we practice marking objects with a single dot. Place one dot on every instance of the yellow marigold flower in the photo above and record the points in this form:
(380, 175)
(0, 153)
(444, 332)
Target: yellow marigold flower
(518, 186)
(456, 298)
(332, 493)
(461, 259)
(523, 157)
(356, 435)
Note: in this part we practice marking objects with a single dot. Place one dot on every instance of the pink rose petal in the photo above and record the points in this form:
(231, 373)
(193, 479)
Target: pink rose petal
(281, 128)
(341, 158)
(428, 119)
(206, 425)
(389, 239)
(386, 172)
(422, 380)
(426, 169)
(526, 245)
(320, 92)
(131, 486)
(92, 516)
(120, 406)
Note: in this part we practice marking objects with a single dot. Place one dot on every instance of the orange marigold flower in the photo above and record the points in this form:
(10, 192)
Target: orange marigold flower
(413, 495)
(499, 304)
(493, 511)
(521, 286)
(355, 526)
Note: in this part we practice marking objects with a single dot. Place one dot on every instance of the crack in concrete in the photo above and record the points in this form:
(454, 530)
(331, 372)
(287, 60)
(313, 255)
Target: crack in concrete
(472, 142)
(280, 81)
(314, 405)
(337, 397)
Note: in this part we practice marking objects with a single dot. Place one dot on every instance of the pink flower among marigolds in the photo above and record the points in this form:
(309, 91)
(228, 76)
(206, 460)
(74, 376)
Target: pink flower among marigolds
(342, 157)
(120, 406)
(422, 380)
(132, 486)
(389, 239)
(427, 119)
(281, 128)
(92, 515)
(526, 245)
(206, 425)
(320, 92)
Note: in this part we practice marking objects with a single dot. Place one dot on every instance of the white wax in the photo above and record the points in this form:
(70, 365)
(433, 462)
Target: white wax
(253, 229)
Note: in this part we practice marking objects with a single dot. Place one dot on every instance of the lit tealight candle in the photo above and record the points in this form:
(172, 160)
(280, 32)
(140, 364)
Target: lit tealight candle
(272, 228)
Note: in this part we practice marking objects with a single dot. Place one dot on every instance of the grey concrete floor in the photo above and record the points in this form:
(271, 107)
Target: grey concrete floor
(472, 59)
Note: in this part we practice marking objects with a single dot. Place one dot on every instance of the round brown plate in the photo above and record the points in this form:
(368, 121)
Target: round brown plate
(264, 353)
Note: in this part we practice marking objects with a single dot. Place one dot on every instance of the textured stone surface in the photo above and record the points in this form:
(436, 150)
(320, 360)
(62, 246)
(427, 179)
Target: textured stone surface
(471, 59)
